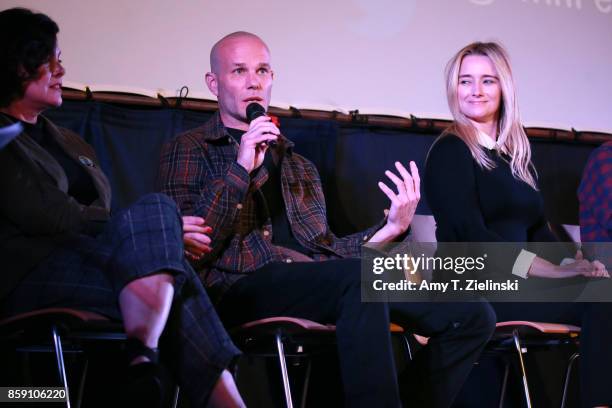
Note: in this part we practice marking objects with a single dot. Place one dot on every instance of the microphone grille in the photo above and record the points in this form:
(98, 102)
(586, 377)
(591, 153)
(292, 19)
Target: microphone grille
(254, 110)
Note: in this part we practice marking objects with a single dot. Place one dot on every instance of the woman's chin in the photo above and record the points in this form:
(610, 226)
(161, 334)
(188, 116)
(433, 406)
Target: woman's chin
(55, 103)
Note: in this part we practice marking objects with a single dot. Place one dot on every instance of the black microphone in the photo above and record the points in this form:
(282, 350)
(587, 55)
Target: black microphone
(253, 111)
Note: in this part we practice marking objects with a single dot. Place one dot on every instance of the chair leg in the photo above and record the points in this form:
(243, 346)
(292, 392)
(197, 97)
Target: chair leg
(568, 374)
(407, 347)
(59, 353)
(502, 395)
(175, 397)
(82, 384)
(306, 382)
(283, 365)
(519, 350)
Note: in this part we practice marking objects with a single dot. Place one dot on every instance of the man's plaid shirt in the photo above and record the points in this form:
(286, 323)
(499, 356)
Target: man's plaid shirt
(595, 196)
(198, 169)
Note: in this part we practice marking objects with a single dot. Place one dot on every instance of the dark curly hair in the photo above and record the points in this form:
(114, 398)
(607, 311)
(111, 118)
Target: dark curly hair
(28, 41)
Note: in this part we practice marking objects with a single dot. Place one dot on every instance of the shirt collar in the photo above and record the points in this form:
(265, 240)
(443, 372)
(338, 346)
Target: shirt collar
(215, 130)
(485, 140)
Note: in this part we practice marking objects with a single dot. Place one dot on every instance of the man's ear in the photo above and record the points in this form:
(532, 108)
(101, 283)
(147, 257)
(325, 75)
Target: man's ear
(272, 74)
(211, 83)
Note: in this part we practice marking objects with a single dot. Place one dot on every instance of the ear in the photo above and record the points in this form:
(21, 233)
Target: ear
(211, 83)
(272, 74)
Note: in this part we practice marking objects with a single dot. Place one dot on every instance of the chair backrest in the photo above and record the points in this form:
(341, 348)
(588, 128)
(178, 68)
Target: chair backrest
(573, 231)
(423, 241)
(423, 228)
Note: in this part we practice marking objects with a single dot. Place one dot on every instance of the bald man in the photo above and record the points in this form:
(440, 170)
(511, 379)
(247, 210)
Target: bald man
(273, 252)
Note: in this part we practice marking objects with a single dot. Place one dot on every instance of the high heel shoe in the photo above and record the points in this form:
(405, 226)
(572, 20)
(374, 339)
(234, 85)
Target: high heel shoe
(146, 383)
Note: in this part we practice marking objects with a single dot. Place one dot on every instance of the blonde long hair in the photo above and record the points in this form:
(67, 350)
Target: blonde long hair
(512, 138)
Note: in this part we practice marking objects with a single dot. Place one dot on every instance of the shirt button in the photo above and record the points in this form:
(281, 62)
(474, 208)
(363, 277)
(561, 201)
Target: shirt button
(266, 233)
(288, 260)
(239, 206)
(365, 237)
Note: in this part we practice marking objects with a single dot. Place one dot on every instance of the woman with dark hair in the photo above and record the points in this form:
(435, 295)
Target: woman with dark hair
(483, 164)
(61, 248)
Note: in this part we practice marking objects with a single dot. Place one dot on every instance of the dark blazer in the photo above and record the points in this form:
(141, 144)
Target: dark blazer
(36, 212)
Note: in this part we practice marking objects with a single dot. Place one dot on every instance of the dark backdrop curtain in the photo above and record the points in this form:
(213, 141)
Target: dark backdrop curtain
(351, 158)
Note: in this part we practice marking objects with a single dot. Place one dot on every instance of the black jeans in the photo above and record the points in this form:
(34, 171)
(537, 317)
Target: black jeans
(330, 292)
(457, 333)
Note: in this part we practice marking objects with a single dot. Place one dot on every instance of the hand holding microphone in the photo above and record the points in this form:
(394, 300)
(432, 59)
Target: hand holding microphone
(254, 111)
(254, 143)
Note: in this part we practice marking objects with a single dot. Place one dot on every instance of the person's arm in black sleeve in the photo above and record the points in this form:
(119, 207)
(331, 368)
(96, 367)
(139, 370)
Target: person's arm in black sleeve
(450, 188)
(37, 205)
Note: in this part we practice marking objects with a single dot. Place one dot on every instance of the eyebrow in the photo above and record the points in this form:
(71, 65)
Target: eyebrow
(484, 76)
(260, 65)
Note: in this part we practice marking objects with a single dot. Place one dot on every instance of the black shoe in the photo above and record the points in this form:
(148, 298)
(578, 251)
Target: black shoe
(146, 386)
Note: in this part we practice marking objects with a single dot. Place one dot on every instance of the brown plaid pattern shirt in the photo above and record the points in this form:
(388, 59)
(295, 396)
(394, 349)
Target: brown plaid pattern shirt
(198, 169)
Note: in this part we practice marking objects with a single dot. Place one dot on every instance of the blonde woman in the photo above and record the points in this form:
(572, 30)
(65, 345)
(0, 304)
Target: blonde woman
(483, 163)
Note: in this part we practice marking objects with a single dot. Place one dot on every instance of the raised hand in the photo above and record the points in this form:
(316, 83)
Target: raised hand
(404, 200)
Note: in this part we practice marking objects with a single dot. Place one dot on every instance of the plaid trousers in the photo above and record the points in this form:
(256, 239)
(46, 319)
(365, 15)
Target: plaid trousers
(89, 272)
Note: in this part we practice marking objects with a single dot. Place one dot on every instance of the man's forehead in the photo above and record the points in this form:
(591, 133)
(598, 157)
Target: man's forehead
(243, 47)
(242, 50)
